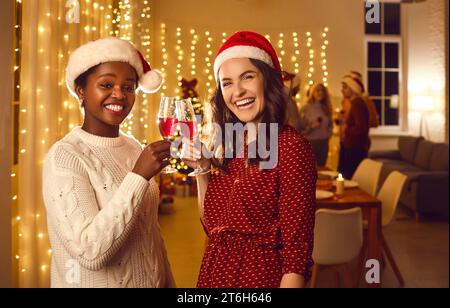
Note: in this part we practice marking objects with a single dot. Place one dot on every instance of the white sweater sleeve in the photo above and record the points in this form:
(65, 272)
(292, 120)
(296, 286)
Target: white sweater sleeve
(90, 235)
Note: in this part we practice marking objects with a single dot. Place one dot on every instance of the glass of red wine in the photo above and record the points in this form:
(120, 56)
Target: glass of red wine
(189, 128)
(167, 122)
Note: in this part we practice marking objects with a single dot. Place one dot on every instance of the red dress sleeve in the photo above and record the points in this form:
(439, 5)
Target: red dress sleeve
(297, 174)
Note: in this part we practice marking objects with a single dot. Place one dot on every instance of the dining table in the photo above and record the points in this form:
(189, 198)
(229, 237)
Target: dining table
(371, 211)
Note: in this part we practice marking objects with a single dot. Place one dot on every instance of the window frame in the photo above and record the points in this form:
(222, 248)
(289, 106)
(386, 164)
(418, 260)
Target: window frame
(402, 122)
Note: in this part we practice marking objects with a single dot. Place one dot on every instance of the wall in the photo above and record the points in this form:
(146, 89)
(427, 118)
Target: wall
(6, 62)
(343, 17)
(427, 70)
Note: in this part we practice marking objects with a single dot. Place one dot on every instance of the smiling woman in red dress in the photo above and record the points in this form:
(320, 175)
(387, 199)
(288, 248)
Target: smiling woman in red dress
(259, 222)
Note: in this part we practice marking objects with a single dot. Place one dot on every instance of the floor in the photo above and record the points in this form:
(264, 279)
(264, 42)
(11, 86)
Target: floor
(185, 240)
(421, 251)
(420, 248)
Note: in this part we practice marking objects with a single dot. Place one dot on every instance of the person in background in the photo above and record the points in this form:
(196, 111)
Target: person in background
(317, 122)
(373, 116)
(355, 141)
(292, 86)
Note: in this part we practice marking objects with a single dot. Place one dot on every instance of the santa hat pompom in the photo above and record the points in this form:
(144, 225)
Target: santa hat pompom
(151, 81)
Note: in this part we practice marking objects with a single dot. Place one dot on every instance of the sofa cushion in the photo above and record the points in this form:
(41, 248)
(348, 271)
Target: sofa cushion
(439, 157)
(423, 154)
(397, 164)
(426, 192)
(407, 146)
(393, 165)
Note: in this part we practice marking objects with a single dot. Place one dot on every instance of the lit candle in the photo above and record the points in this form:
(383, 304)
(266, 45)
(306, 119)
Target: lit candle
(340, 185)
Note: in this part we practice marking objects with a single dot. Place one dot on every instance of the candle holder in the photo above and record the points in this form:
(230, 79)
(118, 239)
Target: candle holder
(340, 187)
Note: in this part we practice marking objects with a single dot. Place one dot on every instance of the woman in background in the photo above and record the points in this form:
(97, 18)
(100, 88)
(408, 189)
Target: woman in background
(317, 121)
(355, 141)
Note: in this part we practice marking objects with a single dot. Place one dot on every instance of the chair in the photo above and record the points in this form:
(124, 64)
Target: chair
(367, 175)
(389, 195)
(338, 238)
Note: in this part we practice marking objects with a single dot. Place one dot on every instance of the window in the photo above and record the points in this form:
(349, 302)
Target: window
(383, 79)
(389, 20)
(384, 63)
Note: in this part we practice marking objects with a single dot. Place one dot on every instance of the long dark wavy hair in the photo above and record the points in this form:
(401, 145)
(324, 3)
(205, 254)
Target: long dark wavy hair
(276, 100)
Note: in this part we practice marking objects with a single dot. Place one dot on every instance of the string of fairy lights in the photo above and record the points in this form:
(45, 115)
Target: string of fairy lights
(323, 55)
(193, 54)
(165, 56)
(180, 57)
(208, 63)
(282, 52)
(309, 45)
(123, 22)
(143, 31)
(188, 51)
(296, 55)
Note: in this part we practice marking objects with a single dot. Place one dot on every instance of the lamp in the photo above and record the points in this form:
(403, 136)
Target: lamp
(422, 104)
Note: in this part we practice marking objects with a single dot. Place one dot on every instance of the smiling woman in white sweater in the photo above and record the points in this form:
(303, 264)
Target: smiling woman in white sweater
(99, 191)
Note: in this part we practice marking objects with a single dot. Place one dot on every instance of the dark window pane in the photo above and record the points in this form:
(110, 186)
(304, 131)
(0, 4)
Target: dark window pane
(377, 104)
(391, 114)
(391, 55)
(391, 18)
(374, 27)
(374, 55)
(374, 83)
(391, 83)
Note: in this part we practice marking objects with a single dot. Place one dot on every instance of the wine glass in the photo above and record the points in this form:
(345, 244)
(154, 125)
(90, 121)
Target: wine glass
(167, 121)
(186, 116)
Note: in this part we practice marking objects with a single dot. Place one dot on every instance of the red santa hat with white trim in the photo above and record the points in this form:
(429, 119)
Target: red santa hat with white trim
(111, 50)
(354, 83)
(246, 44)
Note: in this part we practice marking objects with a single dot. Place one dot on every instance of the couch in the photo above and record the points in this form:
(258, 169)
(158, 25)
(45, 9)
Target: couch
(425, 163)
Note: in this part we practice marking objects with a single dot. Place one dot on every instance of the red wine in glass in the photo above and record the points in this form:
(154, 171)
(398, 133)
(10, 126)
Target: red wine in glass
(167, 121)
(167, 127)
(186, 116)
(192, 128)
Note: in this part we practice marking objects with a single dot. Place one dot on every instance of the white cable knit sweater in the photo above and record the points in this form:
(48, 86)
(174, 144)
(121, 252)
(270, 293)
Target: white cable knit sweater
(102, 218)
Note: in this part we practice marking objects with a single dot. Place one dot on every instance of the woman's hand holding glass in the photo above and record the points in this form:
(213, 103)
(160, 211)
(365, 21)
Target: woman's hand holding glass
(153, 159)
(192, 157)
(191, 144)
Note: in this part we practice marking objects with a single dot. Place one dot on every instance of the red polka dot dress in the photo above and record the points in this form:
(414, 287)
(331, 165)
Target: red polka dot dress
(260, 222)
